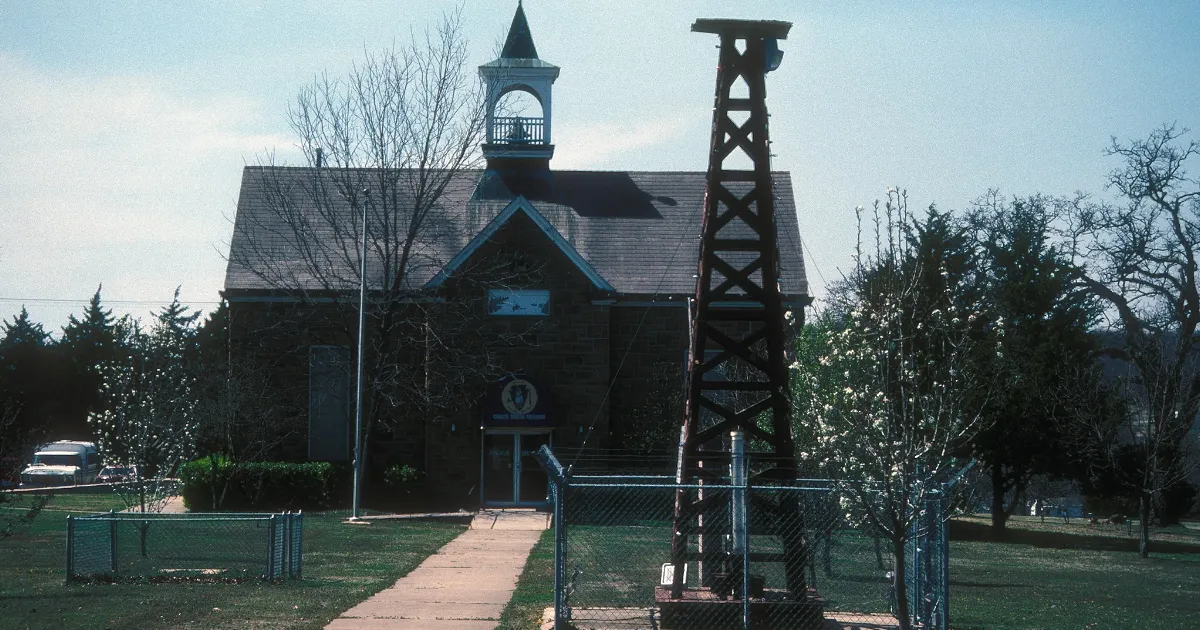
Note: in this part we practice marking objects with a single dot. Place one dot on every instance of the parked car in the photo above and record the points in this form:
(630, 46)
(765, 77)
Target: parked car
(62, 463)
(113, 474)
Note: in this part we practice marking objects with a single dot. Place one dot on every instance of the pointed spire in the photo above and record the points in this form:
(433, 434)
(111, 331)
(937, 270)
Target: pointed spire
(519, 44)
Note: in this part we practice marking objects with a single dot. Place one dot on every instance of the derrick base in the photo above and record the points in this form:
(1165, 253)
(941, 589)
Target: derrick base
(703, 608)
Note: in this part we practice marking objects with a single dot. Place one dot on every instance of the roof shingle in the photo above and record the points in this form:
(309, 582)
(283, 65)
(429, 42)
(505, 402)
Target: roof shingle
(639, 230)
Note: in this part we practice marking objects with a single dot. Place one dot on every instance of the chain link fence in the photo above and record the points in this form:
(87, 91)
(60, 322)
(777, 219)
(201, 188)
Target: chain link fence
(229, 547)
(928, 560)
(613, 555)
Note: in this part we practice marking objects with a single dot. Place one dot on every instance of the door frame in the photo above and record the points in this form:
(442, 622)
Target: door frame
(516, 483)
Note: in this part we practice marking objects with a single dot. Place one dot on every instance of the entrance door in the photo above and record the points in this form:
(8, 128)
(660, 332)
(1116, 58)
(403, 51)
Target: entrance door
(499, 470)
(511, 475)
(533, 483)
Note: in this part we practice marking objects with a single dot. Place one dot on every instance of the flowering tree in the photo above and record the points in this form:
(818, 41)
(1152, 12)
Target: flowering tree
(150, 399)
(883, 383)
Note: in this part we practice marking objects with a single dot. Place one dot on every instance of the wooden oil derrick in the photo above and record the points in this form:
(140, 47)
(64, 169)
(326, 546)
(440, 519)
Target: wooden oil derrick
(737, 378)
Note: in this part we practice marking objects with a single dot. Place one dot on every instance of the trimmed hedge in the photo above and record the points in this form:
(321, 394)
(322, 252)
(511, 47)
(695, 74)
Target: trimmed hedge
(264, 486)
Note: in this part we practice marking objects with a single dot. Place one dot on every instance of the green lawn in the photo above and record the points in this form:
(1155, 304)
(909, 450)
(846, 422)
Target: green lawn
(535, 588)
(1046, 576)
(1161, 538)
(1058, 575)
(1051, 576)
(343, 564)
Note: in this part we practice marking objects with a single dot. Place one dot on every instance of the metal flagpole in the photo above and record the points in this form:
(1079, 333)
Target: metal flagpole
(362, 325)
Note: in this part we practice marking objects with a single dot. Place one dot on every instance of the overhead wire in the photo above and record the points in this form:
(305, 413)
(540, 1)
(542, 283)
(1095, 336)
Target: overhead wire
(86, 300)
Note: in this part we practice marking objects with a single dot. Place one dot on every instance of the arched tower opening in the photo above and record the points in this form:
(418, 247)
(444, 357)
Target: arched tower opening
(520, 104)
(518, 117)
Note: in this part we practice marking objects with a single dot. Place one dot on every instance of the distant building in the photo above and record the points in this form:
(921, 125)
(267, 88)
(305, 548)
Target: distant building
(602, 265)
(1120, 372)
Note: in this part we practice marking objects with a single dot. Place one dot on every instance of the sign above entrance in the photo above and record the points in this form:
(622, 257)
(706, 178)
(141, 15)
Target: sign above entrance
(516, 401)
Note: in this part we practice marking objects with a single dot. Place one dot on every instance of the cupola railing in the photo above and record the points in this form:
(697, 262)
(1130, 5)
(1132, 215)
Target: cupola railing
(518, 130)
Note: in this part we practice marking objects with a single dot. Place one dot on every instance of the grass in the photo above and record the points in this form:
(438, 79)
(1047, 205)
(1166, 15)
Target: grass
(535, 588)
(1046, 576)
(1178, 538)
(62, 504)
(620, 565)
(1055, 575)
(343, 565)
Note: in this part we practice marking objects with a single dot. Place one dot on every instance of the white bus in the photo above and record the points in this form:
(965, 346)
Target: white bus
(63, 463)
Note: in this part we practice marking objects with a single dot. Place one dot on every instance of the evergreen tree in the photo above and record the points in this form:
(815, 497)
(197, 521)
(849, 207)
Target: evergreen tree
(175, 322)
(87, 343)
(1048, 349)
(27, 377)
(92, 336)
(22, 332)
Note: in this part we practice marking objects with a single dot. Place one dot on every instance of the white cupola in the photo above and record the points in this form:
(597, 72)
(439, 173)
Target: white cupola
(518, 141)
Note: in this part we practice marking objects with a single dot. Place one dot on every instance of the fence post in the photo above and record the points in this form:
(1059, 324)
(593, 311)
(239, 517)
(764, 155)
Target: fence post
(929, 579)
(912, 572)
(943, 541)
(70, 547)
(285, 556)
(271, 549)
(112, 540)
(560, 533)
(300, 545)
(746, 553)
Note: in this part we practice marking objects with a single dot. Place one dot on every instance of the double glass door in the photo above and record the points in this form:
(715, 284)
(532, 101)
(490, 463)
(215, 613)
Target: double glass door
(511, 475)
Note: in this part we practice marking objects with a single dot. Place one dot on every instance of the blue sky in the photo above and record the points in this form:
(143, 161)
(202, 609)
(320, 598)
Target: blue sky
(125, 125)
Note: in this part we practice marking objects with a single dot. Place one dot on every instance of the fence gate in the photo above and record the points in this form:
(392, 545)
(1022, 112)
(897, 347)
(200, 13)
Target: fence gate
(227, 547)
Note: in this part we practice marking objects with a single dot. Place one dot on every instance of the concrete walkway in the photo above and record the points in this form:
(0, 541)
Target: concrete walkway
(173, 505)
(464, 586)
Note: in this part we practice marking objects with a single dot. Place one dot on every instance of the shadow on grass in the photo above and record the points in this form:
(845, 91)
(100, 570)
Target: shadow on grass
(989, 584)
(965, 531)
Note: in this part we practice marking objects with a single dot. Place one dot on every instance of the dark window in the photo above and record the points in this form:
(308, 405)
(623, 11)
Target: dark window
(328, 403)
(58, 460)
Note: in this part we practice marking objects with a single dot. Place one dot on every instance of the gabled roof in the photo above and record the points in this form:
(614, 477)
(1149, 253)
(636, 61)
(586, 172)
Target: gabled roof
(636, 231)
(520, 205)
(519, 44)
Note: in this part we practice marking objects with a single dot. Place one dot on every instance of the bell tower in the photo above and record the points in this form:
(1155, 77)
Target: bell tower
(518, 145)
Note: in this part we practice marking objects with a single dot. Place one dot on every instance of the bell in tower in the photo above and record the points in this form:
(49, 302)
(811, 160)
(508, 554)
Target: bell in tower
(518, 147)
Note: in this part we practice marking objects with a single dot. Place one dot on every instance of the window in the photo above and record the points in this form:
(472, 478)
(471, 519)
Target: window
(329, 403)
(58, 460)
(528, 302)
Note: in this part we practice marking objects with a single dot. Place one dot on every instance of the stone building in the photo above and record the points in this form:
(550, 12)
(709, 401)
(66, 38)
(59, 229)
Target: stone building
(555, 301)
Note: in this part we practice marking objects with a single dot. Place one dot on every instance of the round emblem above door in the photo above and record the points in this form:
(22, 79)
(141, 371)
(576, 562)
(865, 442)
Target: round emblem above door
(519, 396)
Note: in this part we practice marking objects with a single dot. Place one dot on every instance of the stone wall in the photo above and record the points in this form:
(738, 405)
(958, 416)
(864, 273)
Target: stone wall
(453, 349)
(568, 350)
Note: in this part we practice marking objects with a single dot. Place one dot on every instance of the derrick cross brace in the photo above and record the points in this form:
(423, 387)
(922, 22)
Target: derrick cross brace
(737, 370)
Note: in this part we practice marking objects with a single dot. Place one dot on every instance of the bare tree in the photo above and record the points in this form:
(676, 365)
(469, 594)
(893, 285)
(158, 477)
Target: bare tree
(390, 149)
(1141, 259)
(240, 419)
